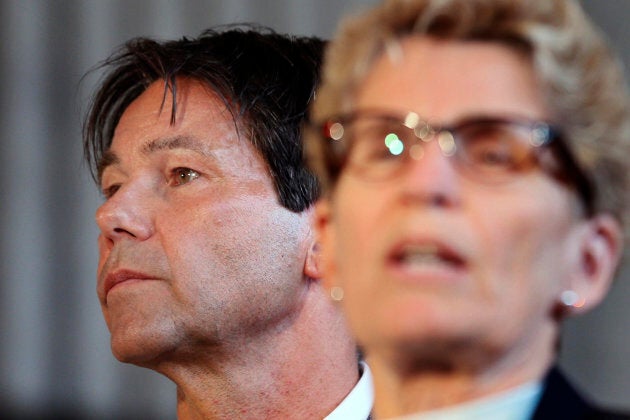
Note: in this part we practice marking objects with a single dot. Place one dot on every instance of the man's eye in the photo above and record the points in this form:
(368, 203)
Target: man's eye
(108, 192)
(183, 176)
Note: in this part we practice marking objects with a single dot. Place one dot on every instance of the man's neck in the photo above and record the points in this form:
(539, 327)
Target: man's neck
(303, 371)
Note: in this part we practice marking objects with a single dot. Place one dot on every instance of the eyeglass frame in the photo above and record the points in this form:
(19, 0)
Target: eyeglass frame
(569, 170)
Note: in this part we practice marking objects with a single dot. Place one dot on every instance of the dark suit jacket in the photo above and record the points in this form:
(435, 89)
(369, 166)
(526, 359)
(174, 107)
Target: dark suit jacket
(560, 401)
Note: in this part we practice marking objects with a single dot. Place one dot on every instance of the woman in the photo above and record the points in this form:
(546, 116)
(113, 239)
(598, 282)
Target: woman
(472, 155)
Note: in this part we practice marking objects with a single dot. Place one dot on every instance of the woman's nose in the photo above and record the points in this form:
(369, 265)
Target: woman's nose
(431, 176)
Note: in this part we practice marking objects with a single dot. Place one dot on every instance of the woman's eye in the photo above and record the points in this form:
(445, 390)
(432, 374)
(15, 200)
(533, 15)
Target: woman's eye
(183, 176)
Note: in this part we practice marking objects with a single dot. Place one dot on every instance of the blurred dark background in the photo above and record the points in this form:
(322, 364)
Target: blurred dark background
(54, 346)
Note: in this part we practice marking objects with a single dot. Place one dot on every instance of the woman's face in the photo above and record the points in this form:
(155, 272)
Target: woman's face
(436, 264)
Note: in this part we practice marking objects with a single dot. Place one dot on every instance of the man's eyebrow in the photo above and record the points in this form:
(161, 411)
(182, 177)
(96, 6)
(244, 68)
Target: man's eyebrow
(110, 158)
(177, 142)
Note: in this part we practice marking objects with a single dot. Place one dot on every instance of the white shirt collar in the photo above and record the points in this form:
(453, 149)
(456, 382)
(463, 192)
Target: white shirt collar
(358, 403)
(515, 404)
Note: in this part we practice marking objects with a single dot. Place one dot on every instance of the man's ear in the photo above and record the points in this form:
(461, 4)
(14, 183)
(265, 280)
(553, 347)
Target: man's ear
(319, 256)
(312, 265)
(601, 245)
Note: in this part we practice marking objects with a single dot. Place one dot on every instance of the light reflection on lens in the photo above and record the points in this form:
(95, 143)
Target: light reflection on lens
(396, 147)
(411, 120)
(336, 131)
(447, 143)
(539, 136)
(423, 132)
(391, 137)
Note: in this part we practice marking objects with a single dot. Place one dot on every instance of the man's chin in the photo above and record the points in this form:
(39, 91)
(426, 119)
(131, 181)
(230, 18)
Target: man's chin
(129, 352)
(143, 348)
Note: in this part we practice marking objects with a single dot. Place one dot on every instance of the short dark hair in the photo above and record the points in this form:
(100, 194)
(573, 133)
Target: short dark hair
(265, 79)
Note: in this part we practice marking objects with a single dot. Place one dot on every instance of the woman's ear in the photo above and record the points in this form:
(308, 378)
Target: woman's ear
(600, 249)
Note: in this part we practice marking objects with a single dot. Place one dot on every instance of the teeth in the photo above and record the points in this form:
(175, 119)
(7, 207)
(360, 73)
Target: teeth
(422, 259)
(421, 254)
(427, 256)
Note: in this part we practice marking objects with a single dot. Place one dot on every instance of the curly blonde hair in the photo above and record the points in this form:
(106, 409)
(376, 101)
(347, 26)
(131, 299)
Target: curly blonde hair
(581, 79)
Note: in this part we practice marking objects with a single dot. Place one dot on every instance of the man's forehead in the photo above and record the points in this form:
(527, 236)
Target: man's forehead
(158, 102)
(203, 124)
(198, 145)
(154, 117)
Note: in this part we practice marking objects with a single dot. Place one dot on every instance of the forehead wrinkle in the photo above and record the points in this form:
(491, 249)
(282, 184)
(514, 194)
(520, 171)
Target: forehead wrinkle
(177, 142)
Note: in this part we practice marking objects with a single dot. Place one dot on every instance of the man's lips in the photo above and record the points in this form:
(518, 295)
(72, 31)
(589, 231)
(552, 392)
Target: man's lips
(117, 277)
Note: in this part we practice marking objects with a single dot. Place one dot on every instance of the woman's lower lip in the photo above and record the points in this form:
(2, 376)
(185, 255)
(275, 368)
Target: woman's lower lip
(430, 273)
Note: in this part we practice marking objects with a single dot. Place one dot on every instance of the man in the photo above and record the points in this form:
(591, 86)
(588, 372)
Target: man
(208, 270)
(474, 163)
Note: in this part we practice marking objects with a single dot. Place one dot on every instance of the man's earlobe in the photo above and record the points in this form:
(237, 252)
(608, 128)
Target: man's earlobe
(324, 236)
(312, 265)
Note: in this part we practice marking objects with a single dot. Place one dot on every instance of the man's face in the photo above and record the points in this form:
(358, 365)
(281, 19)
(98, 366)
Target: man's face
(433, 261)
(194, 247)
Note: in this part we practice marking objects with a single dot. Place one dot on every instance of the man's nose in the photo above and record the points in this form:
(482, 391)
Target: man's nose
(128, 213)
